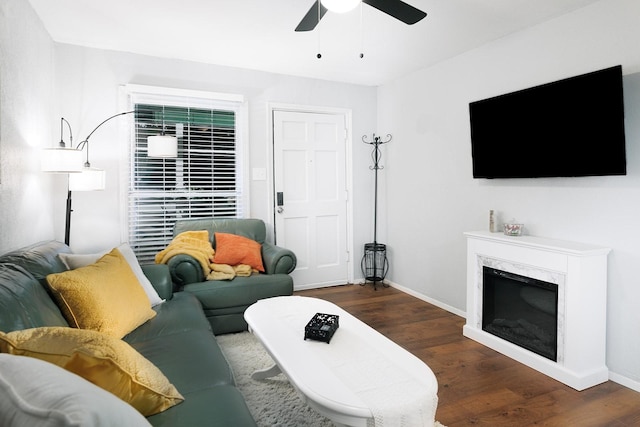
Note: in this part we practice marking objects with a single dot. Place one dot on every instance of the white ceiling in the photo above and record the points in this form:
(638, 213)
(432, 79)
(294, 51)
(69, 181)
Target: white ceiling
(259, 34)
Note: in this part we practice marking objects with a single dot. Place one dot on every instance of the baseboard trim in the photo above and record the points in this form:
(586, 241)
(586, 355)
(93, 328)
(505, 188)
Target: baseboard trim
(316, 285)
(425, 298)
(627, 382)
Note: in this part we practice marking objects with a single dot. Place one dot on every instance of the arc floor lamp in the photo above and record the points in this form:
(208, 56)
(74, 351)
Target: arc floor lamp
(84, 177)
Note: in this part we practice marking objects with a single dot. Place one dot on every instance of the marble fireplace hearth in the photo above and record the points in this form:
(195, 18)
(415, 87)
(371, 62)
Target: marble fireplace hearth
(579, 271)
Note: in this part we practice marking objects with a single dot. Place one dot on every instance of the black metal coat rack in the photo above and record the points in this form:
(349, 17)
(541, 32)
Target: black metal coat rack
(375, 264)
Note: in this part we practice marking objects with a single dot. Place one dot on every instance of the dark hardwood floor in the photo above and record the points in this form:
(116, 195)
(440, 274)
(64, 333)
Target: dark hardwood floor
(476, 385)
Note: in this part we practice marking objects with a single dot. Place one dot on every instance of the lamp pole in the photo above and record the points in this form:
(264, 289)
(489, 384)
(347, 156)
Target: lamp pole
(81, 145)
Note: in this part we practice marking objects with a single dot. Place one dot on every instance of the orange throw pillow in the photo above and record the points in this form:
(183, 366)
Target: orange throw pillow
(232, 249)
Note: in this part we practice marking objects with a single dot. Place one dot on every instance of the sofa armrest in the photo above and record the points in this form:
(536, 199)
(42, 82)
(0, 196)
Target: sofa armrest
(277, 260)
(185, 269)
(158, 275)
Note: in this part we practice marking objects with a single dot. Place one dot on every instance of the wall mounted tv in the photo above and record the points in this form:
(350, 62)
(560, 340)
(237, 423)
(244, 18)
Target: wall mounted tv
(568, 128)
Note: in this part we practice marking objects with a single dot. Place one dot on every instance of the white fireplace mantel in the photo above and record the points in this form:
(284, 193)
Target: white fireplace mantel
(579, 270)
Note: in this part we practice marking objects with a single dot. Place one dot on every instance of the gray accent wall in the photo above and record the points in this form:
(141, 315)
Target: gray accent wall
(27, 124)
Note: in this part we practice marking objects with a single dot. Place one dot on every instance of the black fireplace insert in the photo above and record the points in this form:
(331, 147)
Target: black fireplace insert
(521, 310)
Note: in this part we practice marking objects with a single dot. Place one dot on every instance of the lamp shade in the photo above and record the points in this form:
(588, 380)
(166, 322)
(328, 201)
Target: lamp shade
(162, 146)
(340, 6)
(89, 179)
(61, 160)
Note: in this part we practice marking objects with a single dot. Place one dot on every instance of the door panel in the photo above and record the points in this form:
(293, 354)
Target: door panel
(310, 170)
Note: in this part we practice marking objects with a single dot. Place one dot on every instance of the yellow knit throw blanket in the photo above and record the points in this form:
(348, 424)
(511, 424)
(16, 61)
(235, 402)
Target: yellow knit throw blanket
(194, 243)
(228, 272)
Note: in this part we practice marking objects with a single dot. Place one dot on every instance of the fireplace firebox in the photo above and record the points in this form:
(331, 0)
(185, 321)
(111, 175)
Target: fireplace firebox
(521, 310)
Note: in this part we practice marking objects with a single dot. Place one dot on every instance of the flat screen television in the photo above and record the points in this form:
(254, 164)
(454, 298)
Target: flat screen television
(568, 128)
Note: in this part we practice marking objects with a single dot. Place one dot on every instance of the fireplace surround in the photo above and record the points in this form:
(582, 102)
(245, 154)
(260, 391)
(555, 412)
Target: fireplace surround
(578, 272)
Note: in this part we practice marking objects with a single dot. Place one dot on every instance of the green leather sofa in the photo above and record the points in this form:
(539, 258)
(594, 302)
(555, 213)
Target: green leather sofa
(224, 302)
(178, 340)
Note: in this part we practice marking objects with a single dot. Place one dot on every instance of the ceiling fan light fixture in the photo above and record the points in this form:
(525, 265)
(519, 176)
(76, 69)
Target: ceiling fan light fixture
(340, 6)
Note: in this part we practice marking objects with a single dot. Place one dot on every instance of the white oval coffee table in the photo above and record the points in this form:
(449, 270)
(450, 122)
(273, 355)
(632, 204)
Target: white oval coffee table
(359, 376)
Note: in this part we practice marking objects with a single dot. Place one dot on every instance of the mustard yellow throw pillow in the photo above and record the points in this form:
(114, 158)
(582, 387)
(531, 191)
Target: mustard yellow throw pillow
(105, 296)
(107, 362)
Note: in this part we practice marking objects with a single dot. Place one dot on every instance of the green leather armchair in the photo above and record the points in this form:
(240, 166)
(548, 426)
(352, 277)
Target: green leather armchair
(224, 302)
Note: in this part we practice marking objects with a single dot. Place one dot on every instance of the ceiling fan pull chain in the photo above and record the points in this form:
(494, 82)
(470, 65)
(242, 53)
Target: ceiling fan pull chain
(361, 33)
(319, 55)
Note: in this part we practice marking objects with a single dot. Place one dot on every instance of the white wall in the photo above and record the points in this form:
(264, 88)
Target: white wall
(431, 197)
(87, 84)
(26, 123)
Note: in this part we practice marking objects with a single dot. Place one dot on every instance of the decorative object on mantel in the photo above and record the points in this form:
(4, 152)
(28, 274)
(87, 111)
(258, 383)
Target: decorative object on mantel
(492, 221)
(374, 262)
(513, 229)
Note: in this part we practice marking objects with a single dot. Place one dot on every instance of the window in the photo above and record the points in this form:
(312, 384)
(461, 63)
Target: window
(205, 180)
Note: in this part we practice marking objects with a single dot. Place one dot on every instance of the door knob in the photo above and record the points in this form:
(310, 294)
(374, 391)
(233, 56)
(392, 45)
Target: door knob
(280, 209)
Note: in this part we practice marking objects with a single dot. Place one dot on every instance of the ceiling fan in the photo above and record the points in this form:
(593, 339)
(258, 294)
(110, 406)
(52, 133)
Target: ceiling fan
(396, 8)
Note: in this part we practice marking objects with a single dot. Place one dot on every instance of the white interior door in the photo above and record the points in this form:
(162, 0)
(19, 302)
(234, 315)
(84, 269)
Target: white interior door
(311, 194)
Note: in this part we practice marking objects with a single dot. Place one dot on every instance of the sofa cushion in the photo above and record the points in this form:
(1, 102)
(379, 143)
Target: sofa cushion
(105, 296)
(221, 405)
(24, 302)
(73, 261)
(108, 362)
(191, 360)
(60, 399)
(182, 313)
(234, 250)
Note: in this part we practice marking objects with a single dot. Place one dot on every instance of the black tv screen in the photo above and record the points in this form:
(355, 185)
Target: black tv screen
(571, 127)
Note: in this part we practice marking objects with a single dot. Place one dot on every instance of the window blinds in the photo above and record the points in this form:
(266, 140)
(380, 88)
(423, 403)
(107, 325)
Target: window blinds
(204, 181)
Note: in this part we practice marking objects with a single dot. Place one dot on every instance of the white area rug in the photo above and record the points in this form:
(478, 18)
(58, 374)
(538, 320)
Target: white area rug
(272, 402)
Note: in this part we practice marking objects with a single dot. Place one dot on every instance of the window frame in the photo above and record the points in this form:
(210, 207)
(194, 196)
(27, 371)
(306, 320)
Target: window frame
(140, 94)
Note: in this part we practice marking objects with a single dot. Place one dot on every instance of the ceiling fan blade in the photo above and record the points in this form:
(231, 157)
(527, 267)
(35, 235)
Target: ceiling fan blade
(312, 18)
(398, 9)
